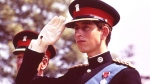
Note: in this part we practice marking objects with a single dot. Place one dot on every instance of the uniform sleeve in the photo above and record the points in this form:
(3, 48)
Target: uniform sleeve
(127, 76)
(28, 69)
(131, 76)
(47, 80)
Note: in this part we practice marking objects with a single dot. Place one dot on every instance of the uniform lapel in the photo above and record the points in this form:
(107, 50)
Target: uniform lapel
(96, 64)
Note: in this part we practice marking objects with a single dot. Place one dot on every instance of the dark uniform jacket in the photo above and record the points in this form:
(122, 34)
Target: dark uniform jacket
(75, 75)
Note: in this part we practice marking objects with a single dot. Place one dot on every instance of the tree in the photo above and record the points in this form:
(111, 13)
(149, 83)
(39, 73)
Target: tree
(18, 15)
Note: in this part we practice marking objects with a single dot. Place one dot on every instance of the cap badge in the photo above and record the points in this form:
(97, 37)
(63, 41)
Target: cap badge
(77, 7)
(24, 38)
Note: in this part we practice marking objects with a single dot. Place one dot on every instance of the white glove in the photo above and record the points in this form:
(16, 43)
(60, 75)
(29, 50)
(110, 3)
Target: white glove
(49, 34)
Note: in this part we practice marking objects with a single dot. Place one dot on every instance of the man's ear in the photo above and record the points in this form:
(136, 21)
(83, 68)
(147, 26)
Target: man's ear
(105, 32)
(44, 63)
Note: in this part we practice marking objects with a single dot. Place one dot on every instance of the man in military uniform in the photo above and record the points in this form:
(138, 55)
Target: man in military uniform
(93, 21)
(21, 41)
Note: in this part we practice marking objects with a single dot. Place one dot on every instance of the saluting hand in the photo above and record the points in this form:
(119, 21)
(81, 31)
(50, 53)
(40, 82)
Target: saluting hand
(52, 31)
(48, 35)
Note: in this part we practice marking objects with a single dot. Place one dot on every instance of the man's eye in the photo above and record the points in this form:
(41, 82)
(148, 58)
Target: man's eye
(85, 27)
(76, 28)
(19, 57)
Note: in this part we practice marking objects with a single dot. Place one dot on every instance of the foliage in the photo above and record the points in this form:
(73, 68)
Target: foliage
(18, 15)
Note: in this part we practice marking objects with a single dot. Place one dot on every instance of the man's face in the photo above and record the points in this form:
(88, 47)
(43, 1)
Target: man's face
(87, 36)
(43, 64)
(19, 56)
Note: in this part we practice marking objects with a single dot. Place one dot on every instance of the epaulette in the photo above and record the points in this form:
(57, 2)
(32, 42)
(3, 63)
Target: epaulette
(79, 65)
(123, 62)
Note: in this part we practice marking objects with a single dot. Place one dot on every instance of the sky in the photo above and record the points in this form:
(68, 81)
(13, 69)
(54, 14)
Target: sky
(133, 28)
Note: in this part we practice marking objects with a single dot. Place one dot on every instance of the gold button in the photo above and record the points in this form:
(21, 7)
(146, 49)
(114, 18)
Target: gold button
(89, 70)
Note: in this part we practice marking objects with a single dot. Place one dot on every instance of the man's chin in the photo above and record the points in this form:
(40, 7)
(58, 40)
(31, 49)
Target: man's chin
(82, 50)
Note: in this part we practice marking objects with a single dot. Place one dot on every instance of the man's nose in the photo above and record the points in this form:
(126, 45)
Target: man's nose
(78, 32)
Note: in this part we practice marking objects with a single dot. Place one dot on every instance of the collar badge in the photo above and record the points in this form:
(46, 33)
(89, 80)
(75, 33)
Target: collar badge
(100, 59)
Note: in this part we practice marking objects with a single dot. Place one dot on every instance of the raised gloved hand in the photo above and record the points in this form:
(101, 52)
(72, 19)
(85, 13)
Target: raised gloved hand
(49, 34)
(52, 31)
